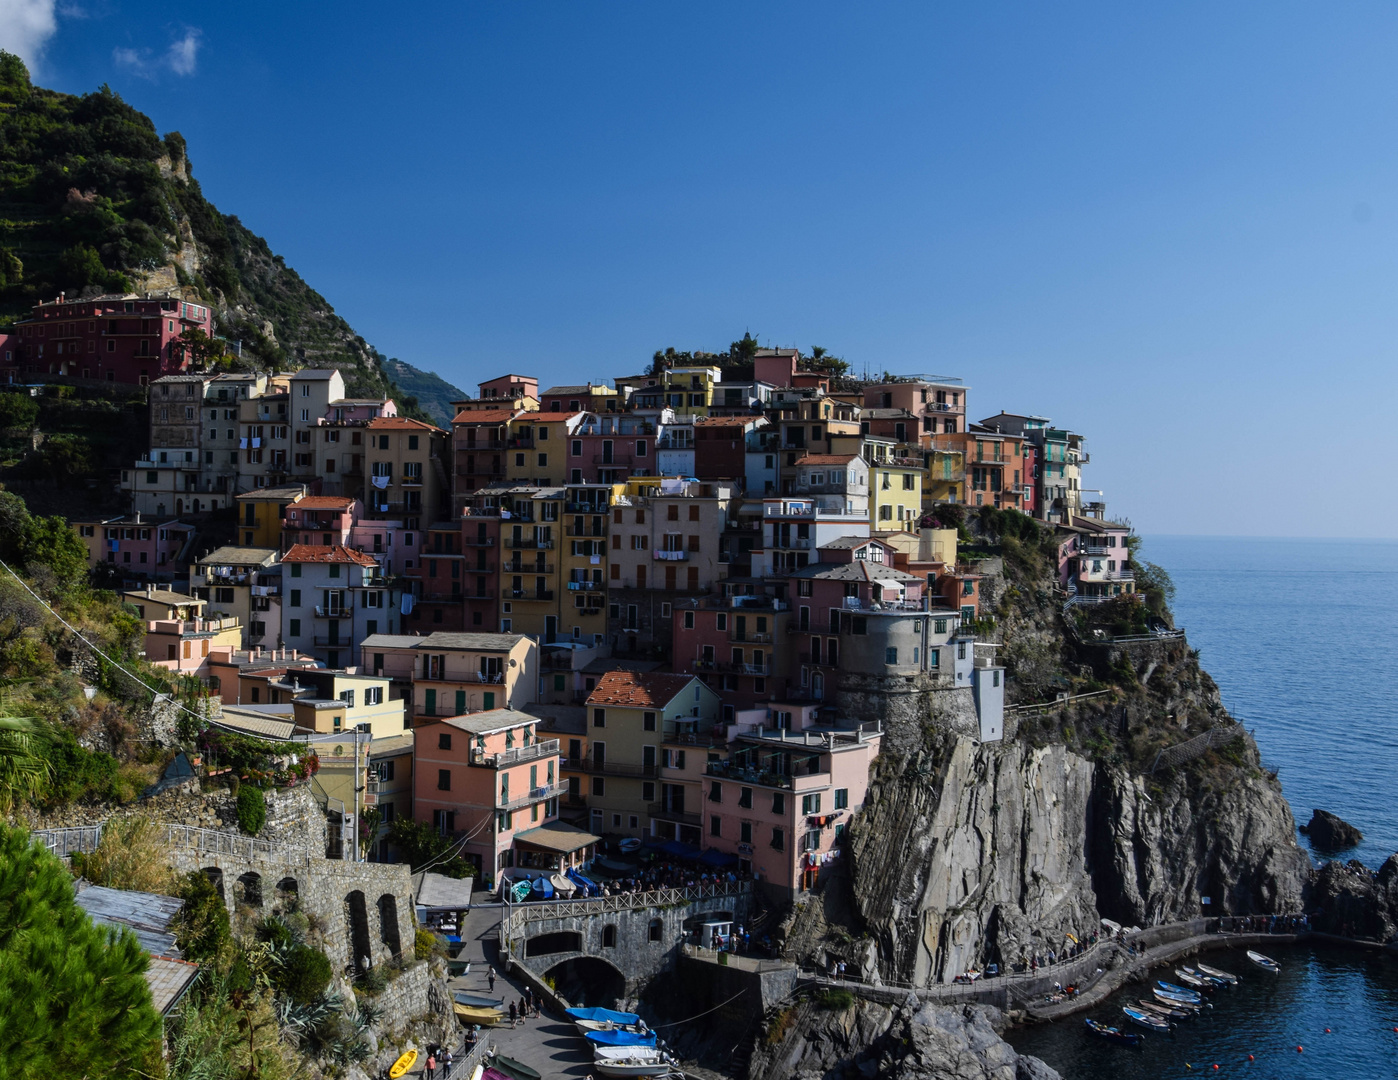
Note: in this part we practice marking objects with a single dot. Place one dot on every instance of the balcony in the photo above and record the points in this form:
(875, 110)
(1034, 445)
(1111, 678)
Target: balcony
(665, 813)
(542, 748)
(410, 480)
(671, 556)
(518, 443)
(598, 533)
(758, 637)
(667, 443)
(478, 541)
(527, 568)
(528, 543)
(469, 447)
(731, 770)
(483, 592)
(585, 507)
(527, 594)
(535, 795)
(333, 612)
(587, 586)
(613, 768)
(727, 666)
(823, 660)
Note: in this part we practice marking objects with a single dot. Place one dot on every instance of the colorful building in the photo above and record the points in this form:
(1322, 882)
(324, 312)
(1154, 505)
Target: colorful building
(333, 598)
(136, 547)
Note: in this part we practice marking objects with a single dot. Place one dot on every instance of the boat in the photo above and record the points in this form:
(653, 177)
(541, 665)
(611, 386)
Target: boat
(1170, 1001)
(484, 1017)
(1145, 1019)
(542, 889)
(618, 1018)
(1169, 1012)
(1226, 976)
(515, 1070)
(1111, 1034)
(1181, 992)
(518, 891)
(1211, 981)
(403, 1064)
(586, 1027)
(1190, 979)
(621, 1038)
(587, 885)
(1264, 962)
(623, 1053)
(633, 1066)
(477, 1001)
(629, 844)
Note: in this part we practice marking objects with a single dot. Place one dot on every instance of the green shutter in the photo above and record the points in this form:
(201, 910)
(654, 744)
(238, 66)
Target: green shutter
(488, 699)
(430, 706)
(460, 702)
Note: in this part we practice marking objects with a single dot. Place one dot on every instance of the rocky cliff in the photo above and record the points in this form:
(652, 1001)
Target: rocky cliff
(810, 1041)
(1133, 797)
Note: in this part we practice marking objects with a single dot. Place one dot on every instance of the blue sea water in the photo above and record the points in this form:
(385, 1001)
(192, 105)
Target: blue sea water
(1300, 637)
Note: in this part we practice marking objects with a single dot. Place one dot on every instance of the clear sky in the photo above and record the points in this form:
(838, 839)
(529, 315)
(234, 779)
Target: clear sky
(1169, 227)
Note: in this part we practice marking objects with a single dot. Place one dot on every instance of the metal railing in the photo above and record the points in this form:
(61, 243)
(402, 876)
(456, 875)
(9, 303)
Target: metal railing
(534, 795)
(522, 914)
(219, 842)
(65, 842)
(517, 754)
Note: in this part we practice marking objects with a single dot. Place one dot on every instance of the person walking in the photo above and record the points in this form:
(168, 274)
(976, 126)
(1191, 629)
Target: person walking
(431, 1066)
(522, 1011)
(514, 1013)
(490, 978)
(446, 1064)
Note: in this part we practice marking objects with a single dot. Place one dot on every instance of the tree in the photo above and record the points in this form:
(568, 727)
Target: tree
(70, 991)
(421, 845)
(24, 774)
(18, 410)
(744, 351)
(197, 347)
(51, 542)
(201, 927)
(252, 809)
(821, 360)
(80, 266)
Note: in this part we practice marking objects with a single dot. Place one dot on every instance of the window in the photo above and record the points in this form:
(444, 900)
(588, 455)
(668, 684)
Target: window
(689, 620)
(599, 786)
(294, 628)
(745, 798)
(609, 936)
(444, 741)
(842, 798)
(778, 802)
(295, 567)
(715, 825)
(890, 656)
(443, 779)
(715, 791)
(745, 832)
(599, 717)
(373, 695)
(810, 804)
(295, 597)
(648, 721)
(779, 839)
(412, 442)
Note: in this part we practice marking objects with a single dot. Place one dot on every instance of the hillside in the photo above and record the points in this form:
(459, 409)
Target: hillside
(433, 393)
(93, 199)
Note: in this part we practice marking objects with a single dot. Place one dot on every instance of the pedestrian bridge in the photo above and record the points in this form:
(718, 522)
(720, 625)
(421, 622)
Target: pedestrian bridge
(608, 946)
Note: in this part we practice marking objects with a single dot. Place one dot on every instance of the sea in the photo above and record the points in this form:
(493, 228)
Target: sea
(1300, 636)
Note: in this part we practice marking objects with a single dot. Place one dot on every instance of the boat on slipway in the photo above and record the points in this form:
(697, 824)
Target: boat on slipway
(621, 1038)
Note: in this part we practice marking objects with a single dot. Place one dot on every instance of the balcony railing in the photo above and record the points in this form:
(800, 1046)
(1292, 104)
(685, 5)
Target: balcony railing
(527, 568)
(595, 534)
(528, 594)
(515, 755)
(671, 556)
(728, 770)
(534, 795)
(478, 541)
(528, 543)
(758, 637)
(587, 586)
(345, 611)
(665, 813)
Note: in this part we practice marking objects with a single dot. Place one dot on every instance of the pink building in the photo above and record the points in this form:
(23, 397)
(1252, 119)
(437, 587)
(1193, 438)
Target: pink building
(137, 546)
(786, 792)
(607, 449)
(323, 520)
(737, 645)
(937, 405)
(489, 779)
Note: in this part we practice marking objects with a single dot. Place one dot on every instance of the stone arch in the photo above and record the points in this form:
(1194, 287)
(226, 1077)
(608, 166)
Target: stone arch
(559, 942)
(215, 876)
(609, 936)
(589, 981)
(357, 923)
(248, 889)
(388, 923)
(656, 930)
(288, 893)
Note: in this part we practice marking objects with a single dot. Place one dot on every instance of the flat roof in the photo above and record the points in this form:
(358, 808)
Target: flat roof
(448, 639)
(441, 892)
(483, 723)
(148, 915)
(241, 555)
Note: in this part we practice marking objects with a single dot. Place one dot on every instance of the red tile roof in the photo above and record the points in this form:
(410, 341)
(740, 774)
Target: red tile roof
(317, 553)
(638, 689)
(724, 421)
(322, 502)
(484, 416)
(825, 459)
(400, 423)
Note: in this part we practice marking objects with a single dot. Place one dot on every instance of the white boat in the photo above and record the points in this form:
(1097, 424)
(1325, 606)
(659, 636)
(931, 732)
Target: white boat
(1264, 962)
(619, 1053)
(1226, 976)
(1192, 980)
(631, 1061)
(584, 1026)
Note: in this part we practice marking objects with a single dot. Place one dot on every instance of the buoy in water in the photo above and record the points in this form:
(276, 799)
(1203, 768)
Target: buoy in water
(1327, 1031)
(1249, 1057)
(1298, 1049)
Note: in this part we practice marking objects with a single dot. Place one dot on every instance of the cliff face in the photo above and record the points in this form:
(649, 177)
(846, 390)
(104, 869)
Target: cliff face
(908, 1043)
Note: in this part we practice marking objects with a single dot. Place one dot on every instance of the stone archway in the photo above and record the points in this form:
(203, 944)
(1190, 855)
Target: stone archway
(248, 889)
(288, 893)
(388, 924)
(560, 941)
(588, 981)
(215, 876)
(357, 923)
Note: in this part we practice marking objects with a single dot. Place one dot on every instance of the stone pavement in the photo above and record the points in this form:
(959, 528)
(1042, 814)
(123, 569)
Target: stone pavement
(548, 1044)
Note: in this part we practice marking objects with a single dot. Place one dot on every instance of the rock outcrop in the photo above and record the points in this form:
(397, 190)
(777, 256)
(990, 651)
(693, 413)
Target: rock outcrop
(898, 1043)
(1331, 833)
(1350, 899)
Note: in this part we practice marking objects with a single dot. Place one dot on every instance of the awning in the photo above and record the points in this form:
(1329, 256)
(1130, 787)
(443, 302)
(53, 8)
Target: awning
(714, 857)
(437, 892)
(559, 836)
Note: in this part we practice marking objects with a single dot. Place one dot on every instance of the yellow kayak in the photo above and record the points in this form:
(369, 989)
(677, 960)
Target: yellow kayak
(403, 1064)
(484, 1017)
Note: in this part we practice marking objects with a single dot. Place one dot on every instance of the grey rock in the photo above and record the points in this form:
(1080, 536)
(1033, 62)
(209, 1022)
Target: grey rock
(1330, 833)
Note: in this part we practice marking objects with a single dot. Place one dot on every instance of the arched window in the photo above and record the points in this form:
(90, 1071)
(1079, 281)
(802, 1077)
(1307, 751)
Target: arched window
(656, 927)
(609, 936)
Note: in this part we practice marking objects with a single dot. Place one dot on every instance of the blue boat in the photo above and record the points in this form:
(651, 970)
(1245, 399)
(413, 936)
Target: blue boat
(621, 1038)
(1181, 992)
(1111, 1034)
(604, 1016)
(542, 889)
(589, 888)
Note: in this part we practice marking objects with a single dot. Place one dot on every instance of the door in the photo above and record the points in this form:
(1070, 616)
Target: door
(550, 628)
(606, 451)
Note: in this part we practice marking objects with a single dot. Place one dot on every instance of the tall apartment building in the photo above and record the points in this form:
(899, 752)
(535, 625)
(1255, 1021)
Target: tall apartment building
(333, 598)
(406, 475)
(937, 403)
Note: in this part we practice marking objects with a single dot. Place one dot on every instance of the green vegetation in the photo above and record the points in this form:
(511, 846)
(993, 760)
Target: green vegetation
(69, 991)
(201, 927)
(304, 974)
(24, 772)
(831, 998)
(741, 353)
(252, 809)
(133, 854)
(420, 845)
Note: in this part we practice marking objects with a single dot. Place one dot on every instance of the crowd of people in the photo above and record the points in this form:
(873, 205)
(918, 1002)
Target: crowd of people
(665, 874)
(1264, 924)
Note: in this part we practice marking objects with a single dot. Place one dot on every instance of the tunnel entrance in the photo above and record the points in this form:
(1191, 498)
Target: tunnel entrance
(588, 981)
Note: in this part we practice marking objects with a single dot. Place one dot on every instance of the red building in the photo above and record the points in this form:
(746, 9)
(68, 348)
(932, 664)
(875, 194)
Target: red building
(108, 338)
(720, 445)
(737, 645)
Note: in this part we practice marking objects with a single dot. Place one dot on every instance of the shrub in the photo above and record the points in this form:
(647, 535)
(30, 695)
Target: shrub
(201, 927)
(252, 810)
(423, 943)
(834, 999)
(132, 855)
(305, 975)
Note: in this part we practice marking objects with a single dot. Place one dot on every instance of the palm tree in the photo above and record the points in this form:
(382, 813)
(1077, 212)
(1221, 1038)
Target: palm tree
(23, 772)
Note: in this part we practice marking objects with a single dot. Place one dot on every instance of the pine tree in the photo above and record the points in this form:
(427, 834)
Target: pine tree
(73, 995)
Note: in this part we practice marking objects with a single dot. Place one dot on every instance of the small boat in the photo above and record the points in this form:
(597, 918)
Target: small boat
(1169, 1012)
(1145, 1019)
(515, 1070)
(618, 1018)
(1170, 1001)
(1181, 992)
(623, 1053)
(518, 891)
(1190, 979)
(542, 889)
(632, 1066)
(1226, 976)
(477, 1001)
(1111, 1034)
(403, 1064)
(1264, 962)
(484, 1017)
(586, 1027)
(629, 844)
(587, 885)
(621, 1038)
(1210, 981)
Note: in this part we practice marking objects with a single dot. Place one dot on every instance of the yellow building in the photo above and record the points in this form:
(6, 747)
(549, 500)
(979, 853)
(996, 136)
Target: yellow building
(531, 526)
(536, 450)
(895, 493)
(945, 477)
(260, 514)
(406, 475)
(582, 562)
(629, 715)
(688, 391)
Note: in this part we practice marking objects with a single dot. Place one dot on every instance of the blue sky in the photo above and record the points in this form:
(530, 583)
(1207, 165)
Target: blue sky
(1171, 228)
